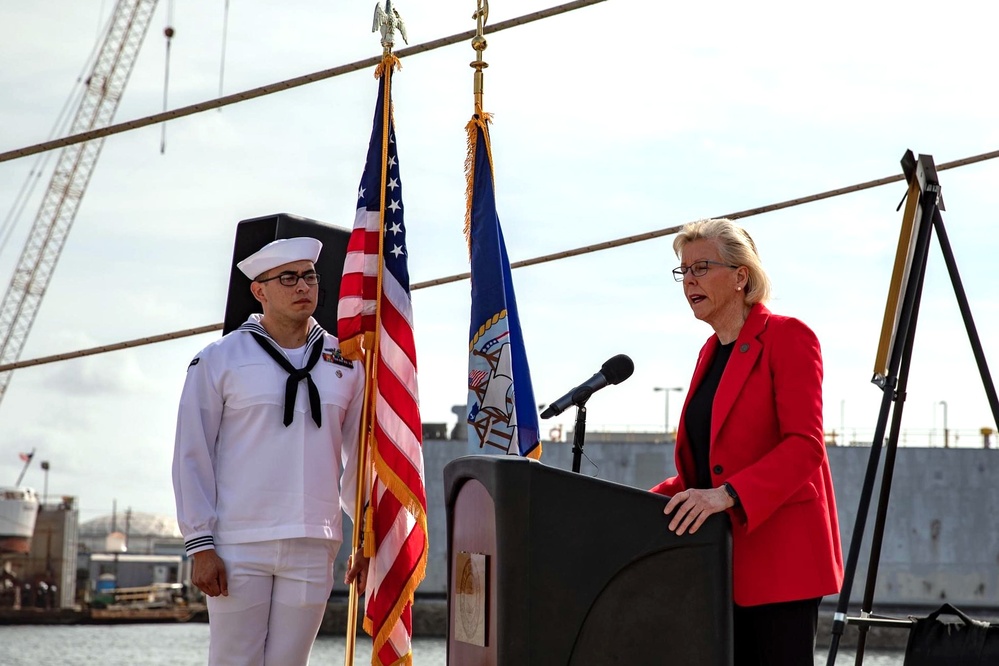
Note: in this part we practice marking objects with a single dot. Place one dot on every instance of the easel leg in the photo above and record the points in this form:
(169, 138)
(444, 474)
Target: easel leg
(877, 538)
(969, 322)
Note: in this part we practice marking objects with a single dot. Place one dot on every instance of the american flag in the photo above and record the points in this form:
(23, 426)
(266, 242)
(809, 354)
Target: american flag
(26, 457)
(502, 413)
(375, 313)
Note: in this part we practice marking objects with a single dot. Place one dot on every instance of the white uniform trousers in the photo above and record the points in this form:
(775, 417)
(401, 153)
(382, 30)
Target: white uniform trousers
(277, 596)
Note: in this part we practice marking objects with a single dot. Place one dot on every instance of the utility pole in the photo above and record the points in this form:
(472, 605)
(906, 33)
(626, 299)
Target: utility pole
(946, 431)
(45, 493)
(667, 392)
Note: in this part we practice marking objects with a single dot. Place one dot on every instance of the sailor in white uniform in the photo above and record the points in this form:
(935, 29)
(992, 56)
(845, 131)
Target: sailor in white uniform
(264, 461)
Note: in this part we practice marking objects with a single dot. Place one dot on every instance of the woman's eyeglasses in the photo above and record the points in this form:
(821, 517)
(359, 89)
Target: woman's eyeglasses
(698, 268)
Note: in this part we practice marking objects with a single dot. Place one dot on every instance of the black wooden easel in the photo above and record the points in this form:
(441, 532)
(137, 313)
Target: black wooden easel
(921, 217)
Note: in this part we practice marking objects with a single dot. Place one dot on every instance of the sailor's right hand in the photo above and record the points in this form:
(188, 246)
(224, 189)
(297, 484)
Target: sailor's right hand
(208, 573)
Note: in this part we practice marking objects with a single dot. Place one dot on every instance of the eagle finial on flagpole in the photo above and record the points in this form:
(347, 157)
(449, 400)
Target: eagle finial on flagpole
(388, 21)
(479, 43)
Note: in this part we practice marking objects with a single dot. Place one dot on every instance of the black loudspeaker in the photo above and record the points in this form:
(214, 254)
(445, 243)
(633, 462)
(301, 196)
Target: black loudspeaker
(253, 234)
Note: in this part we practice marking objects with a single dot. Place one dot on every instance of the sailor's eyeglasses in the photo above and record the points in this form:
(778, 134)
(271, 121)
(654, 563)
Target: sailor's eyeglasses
(289, 279)
(698, 268)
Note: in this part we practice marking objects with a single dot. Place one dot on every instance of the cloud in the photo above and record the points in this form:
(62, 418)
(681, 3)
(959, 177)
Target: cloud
(117, 375)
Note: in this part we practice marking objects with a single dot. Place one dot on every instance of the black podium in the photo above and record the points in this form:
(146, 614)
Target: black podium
(549, 567)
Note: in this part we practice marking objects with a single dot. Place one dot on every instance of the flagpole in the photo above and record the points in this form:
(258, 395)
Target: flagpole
(387, 21)
(355, 541)
(480, 119)
(24, 469)
(388, 62)
(479, 43)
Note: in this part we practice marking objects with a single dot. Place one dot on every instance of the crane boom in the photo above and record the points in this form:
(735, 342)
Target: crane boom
(104, 87)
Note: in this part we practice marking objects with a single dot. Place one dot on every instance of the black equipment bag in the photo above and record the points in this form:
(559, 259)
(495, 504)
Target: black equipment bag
(968, 642)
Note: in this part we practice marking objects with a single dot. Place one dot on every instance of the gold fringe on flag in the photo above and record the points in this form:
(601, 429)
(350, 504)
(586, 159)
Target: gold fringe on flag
(412, 504)
(480, 119)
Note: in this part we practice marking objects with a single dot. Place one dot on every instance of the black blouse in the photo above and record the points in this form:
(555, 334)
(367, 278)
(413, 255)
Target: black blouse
(698, 416)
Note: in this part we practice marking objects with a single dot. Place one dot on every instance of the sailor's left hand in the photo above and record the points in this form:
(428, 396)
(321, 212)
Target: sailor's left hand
(357, 568)
(693, 506)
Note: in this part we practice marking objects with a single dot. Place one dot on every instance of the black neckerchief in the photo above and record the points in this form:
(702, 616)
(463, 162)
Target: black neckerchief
(295, 375)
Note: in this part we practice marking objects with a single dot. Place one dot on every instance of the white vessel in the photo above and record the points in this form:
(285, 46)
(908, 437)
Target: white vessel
(18, 511)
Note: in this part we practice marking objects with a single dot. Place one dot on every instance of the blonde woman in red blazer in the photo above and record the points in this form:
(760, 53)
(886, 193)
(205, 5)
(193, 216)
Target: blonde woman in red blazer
(750, 442)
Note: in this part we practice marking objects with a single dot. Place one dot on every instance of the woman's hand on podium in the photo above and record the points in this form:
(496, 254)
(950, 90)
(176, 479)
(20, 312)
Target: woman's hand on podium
(690, 508)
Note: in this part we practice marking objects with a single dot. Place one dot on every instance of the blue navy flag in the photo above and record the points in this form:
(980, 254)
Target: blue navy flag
(502, 413)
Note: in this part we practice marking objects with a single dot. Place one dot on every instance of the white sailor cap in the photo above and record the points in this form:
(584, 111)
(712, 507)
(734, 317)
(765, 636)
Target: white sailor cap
(278, 253)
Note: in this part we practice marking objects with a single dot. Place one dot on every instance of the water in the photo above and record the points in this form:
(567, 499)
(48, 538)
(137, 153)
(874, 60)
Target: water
(187, 645)
(159, 645)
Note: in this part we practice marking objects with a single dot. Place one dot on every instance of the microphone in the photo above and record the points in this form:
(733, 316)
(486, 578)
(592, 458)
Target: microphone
(614, 371)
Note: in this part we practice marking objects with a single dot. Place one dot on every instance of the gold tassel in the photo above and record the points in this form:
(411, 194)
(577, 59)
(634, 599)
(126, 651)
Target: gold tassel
(353, 348)
(392, 61)
(369, 532)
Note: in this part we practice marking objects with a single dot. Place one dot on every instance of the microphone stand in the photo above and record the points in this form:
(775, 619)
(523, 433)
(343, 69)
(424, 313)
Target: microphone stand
(578, 433)
(579, 399)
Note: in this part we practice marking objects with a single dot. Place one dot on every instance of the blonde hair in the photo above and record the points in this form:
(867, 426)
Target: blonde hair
(735, 246)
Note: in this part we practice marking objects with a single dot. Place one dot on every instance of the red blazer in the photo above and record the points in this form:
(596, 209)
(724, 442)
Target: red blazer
(767, 441)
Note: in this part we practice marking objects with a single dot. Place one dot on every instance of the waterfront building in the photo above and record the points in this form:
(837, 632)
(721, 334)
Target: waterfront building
(45, 577)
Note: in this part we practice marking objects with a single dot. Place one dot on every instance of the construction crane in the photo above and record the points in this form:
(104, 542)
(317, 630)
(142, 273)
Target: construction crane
(103, 90)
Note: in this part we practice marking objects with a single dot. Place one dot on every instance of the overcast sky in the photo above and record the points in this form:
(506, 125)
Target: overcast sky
(612, 120)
